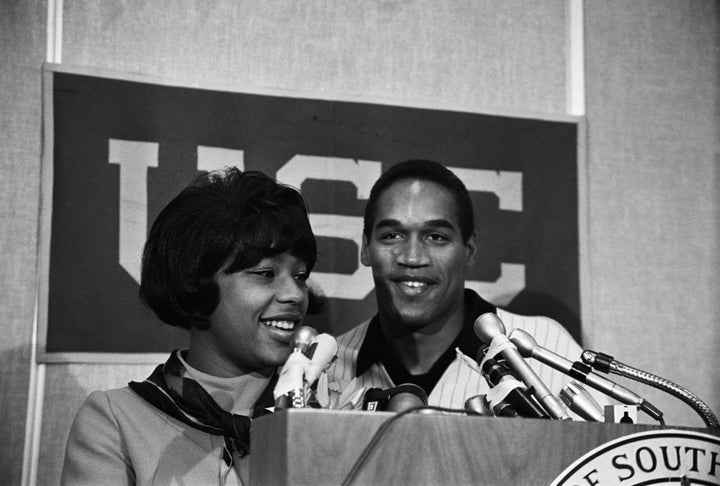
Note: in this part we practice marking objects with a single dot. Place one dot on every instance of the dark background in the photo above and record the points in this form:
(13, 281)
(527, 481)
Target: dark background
(93, 303)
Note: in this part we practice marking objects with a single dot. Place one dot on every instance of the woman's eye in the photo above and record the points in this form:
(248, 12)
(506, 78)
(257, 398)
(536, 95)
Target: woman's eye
(264, 273)
(302, 276)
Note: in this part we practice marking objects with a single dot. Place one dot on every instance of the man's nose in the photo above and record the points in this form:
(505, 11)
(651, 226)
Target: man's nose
(413, 252)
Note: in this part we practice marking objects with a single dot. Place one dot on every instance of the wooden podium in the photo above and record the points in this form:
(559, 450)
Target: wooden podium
(319, 447)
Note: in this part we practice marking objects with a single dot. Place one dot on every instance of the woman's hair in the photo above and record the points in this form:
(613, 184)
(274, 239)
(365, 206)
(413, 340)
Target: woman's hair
(226, 217)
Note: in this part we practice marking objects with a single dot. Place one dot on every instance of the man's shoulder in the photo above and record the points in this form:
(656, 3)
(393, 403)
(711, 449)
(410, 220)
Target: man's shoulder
(354, 336)
(548, 332)
(511, 318)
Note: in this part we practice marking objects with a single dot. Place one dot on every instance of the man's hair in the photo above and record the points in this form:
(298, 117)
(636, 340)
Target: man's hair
(427, 170)
(226, 217)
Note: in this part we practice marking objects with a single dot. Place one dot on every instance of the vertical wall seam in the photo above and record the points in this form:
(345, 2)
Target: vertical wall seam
(36, 381)
(575, 99)
(575, 58)
(54, 31)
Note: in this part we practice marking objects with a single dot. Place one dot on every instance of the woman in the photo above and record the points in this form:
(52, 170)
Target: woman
(227, 259)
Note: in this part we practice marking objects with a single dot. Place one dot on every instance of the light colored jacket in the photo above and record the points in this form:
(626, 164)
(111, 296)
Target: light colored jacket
(118, 438)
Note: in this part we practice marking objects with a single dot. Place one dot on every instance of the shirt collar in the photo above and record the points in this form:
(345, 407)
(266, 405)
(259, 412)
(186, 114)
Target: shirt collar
(374, 345)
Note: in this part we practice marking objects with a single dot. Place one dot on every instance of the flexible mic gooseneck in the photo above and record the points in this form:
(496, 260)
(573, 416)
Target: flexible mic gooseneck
(608, 364)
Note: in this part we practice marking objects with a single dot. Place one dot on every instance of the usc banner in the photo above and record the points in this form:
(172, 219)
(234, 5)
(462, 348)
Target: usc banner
(117, 150)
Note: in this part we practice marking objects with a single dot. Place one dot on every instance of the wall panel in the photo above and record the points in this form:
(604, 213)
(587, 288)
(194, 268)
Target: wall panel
(22, 51)
(653, 78)
(506, 55)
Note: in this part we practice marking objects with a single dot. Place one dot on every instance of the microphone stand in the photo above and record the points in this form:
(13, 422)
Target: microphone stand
(608, 364)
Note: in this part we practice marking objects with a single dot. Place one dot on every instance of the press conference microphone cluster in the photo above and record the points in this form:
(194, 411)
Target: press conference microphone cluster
(311, 354)
(508, 396)
(491, 331)
(529, 348)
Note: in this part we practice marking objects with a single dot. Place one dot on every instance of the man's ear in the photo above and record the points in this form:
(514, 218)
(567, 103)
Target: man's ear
(471, 250)
(364, 253)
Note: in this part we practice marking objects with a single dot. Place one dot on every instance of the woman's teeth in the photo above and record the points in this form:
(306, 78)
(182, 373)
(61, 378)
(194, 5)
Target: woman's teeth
(287, 325)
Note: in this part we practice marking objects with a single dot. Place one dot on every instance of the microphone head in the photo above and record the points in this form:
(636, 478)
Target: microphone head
(301, 338)
(407, 396)
(322, 353)
(322, 348)
(395, 399)
(589, 357)
(488, 326)
(477, 405)
(577, 399)
(524, 342)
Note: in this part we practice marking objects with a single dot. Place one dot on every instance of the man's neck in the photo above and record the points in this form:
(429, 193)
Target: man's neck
(419, 349)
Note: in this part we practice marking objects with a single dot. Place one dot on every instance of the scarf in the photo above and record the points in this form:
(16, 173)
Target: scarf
(172, 390)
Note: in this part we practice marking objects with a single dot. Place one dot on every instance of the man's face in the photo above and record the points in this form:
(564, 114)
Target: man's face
(417, 255)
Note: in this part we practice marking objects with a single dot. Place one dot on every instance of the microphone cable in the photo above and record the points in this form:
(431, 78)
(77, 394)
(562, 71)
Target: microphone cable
(384, 427)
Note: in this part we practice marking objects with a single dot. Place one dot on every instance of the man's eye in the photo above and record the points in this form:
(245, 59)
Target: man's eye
(437, 237)
(302, 276)
(390, 235)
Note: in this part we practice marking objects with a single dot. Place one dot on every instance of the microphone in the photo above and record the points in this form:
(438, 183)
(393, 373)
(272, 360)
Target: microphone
(508, 397)
(301, 339)
(529, 348)
(477, 405)
(311, 354)
(491, 330)
(289, 391)
(396, 399)
(577, 399)
(322, 353)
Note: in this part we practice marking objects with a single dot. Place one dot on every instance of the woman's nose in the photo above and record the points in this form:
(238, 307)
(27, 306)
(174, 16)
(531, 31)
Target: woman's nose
(291, 290)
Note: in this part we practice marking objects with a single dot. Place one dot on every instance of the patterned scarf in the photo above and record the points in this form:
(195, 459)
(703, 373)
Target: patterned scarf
(171, 389)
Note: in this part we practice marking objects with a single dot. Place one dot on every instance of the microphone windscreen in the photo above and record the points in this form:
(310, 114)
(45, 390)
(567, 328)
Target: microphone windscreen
(291, 375)
(407, 396)
(322, 352)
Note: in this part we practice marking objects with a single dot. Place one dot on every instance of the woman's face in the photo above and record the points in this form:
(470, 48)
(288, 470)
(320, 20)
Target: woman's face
(250, 329)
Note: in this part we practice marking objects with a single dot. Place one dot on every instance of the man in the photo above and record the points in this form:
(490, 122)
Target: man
(419, 239)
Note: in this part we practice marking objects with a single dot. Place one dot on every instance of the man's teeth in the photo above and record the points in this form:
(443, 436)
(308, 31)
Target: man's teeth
(412, 283)
(280, 324)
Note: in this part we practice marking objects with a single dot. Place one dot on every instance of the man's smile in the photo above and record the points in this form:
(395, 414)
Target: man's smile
(412, 286)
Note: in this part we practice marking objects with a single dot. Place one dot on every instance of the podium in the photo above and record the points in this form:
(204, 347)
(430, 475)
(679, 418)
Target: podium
(320, 447)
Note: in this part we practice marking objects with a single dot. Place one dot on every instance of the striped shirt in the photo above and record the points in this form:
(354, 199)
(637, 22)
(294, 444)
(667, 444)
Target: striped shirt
(461, 379)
